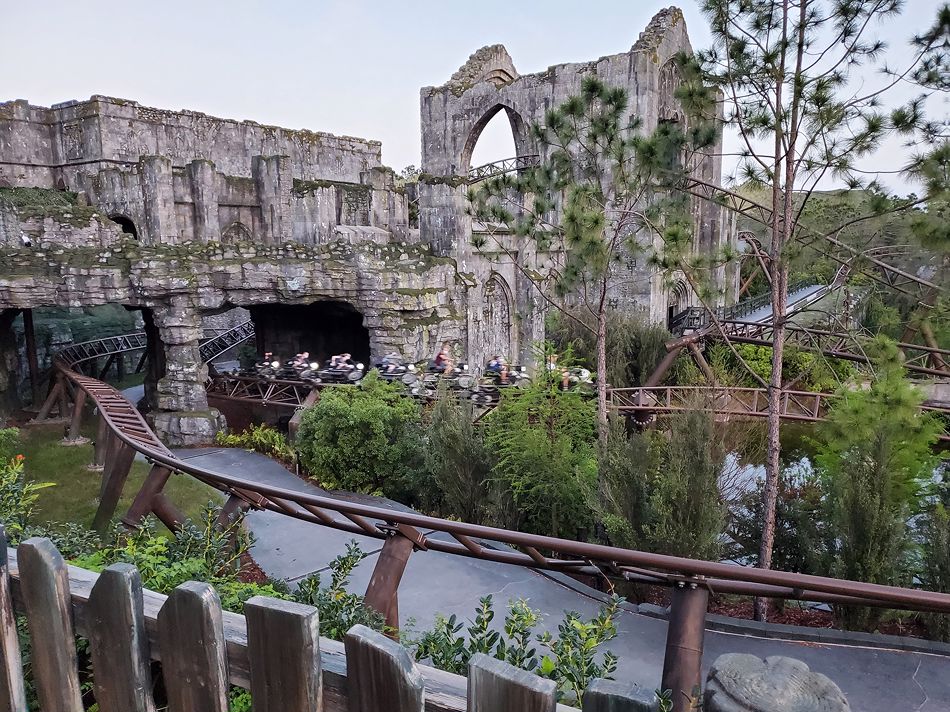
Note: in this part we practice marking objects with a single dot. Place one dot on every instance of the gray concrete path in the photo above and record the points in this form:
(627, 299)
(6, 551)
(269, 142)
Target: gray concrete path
(872, 679)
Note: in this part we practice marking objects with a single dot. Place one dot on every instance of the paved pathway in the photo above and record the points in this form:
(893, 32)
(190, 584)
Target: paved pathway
(872, 679)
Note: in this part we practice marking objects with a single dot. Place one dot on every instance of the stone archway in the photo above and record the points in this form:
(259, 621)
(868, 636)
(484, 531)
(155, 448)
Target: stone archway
(518, 131)
(127, 225)
(236, 232)
(496, 318)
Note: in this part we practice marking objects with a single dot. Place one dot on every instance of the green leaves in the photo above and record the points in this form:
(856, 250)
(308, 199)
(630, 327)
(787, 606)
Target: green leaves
(363, 439)
(573, 656)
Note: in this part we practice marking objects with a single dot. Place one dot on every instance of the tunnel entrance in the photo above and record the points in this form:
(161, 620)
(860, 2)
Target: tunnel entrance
(322, 328)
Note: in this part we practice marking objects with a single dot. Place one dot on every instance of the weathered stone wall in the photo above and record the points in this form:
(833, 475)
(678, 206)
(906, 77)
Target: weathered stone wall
(114, 130)
(454, 115)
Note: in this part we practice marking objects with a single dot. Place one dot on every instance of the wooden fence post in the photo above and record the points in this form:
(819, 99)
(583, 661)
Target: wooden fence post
(380, 675)
(12, 693)
(614, 696)
(191, 643)
(119, 641)
(496, 686)
(45, 585)
(283, 647)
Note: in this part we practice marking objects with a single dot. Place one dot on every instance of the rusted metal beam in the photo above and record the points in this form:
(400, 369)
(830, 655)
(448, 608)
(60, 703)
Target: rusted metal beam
(683, 660)
(382, 591)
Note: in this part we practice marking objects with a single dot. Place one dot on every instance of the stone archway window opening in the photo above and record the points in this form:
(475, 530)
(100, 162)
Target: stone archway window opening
(125, 222)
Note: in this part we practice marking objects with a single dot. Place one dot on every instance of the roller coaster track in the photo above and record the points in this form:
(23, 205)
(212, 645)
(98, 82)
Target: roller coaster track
(505, 165)
(123, 432)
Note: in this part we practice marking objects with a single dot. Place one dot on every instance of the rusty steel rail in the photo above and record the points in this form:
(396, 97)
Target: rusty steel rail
(505, 165)
(123, 432)
(530, 550)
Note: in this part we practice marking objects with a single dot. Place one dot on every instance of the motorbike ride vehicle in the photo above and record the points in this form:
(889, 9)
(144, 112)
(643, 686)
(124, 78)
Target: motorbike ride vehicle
(342, 369)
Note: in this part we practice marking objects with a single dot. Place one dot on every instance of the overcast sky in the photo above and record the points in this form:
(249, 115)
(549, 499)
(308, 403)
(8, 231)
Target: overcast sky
(344, 66)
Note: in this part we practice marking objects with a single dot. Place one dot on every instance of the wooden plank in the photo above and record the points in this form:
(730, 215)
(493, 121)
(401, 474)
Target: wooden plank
(45, 587)
(496, 686)
(283, 640)
(381, 675)
(191, 634)
(12, 694)
(615, 696)
(445, 692)
(118, 641)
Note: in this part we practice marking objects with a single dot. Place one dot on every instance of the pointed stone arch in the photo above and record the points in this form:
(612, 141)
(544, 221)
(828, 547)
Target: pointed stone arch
(519, 131)
(496, 317)
(236, 232)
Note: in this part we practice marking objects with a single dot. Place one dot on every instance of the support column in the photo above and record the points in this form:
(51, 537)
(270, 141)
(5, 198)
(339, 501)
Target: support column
(683, 661)
(182, 416)
(204, 195)
(382, 590)
(74, 436)
(274, 180)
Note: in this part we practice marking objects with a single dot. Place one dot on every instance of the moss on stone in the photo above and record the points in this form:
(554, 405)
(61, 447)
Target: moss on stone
(453, 181)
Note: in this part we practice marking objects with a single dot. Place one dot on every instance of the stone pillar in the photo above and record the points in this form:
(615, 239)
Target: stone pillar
(9, 376)
(158, 194)
(204, 193)
(275, 182)
(443, 223)
(182, 416)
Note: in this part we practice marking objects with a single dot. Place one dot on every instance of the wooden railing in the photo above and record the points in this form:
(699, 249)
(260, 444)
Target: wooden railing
(274, 650)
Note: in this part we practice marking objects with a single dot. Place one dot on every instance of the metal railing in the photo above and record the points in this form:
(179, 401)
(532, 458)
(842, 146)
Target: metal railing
(123, 432)
(505, 165)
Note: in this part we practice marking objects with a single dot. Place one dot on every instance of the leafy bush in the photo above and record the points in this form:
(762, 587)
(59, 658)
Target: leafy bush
(634, 347)
(571, 658)
(545, 461)
(800, 526)
(458, 461)
(809, 371)
(261, 438)
(664, 486)
(9, 443)
(17, 496)
(363, 439)
(875, 457)
(339, 609)
(935, 574)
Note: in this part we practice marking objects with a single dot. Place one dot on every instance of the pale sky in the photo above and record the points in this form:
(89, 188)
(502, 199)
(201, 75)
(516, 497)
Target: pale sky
(350, 67)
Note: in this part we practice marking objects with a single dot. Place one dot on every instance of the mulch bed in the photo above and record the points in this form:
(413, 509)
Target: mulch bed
(250, 572)
(790, 614)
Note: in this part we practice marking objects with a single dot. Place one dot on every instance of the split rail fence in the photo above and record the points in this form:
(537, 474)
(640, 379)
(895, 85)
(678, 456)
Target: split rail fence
(274, 650)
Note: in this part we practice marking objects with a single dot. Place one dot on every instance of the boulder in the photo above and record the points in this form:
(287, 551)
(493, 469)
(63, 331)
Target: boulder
(746, 683)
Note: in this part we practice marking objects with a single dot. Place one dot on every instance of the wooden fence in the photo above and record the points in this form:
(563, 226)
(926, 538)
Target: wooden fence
(274, 650)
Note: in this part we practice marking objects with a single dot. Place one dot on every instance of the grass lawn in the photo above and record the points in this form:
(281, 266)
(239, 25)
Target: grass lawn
(75, 496)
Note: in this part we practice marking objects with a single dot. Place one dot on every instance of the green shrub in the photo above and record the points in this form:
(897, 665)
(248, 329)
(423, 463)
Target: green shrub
(363, 439)
(634, 347)
(571, 658)
(875, 457)
(545, 468)
(935, 574)
(458, 461)
(17, 496)
(339, 609)
(664, 486)
(261, 438)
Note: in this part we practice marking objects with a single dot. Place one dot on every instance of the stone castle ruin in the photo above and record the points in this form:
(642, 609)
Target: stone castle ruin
(185, 217)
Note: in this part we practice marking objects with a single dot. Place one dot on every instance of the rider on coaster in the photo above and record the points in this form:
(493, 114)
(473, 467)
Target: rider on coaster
(341, 361)
(443, 360)
(391, 361)
(500, 366)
